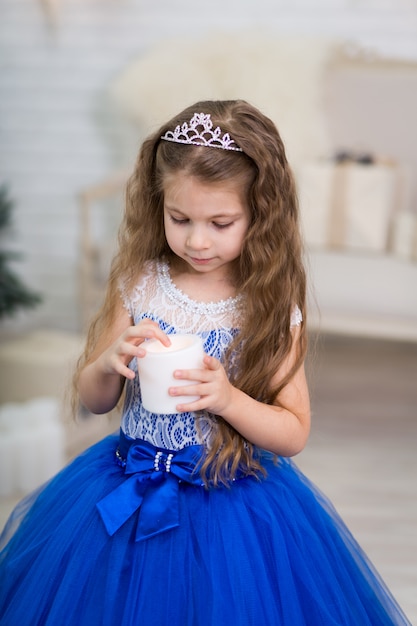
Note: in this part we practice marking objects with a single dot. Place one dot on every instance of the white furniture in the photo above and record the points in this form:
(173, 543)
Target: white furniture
(359, 294)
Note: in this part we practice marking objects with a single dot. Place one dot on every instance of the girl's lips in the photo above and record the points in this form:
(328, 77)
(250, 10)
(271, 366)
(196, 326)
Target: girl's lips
(200, 261)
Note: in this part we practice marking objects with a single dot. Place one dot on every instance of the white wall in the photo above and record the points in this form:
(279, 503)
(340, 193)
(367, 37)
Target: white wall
(56, 136)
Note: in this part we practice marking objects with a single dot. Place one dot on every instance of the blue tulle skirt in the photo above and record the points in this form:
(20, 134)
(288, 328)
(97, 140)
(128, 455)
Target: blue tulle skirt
(86, 550)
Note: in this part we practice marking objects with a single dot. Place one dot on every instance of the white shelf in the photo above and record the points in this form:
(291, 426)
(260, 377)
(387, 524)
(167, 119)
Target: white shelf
(363, 294)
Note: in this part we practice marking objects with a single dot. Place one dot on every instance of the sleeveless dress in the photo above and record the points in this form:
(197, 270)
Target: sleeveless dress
(127, 535)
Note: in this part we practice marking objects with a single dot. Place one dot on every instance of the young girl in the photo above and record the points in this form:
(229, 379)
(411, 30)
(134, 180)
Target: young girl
(198, 517)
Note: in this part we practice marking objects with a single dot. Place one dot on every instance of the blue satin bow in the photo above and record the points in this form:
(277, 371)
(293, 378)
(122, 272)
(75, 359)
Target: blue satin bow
(153, 476)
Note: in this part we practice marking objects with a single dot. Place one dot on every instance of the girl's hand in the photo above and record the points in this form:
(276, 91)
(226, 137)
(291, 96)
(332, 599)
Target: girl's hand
(282, 427)
(116, 358)
(101, 381)
(212, 386)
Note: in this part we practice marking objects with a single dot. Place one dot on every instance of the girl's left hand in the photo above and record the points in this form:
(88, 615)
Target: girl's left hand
(213, 387)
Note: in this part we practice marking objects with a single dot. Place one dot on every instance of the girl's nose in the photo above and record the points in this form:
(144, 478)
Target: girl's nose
(197, 239)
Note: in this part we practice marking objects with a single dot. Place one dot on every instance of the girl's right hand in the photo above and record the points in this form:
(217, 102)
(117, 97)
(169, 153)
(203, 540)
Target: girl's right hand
(116, 358)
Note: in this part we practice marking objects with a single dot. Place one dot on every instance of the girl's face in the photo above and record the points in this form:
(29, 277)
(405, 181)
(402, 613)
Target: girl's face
(205, 223)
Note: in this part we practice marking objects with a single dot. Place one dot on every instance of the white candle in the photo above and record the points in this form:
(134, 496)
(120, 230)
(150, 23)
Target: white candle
(156, 371)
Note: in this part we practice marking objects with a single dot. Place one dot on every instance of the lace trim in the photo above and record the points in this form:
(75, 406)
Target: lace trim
(231, 305)
(202, 308)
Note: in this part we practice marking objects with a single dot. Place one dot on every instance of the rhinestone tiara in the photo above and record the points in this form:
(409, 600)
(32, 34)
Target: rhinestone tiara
(199, 133)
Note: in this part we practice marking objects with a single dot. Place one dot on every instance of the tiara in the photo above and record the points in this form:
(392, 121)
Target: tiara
(189, 134)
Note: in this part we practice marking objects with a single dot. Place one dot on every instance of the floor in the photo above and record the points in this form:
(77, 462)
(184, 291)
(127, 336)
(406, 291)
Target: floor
(363, 450)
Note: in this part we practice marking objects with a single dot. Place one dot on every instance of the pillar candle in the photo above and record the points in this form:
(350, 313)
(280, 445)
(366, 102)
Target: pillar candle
(156, 371)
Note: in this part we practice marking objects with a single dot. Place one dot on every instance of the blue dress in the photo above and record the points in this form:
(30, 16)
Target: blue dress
(127, 535)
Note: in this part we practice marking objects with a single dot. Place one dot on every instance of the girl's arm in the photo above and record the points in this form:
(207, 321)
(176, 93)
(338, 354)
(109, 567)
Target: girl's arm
(102, 379)
(283, 429)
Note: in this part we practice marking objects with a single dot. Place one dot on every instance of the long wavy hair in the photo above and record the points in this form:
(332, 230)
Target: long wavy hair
(270, 273)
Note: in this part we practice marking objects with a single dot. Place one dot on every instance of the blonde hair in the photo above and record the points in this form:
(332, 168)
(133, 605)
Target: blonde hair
(270, 274)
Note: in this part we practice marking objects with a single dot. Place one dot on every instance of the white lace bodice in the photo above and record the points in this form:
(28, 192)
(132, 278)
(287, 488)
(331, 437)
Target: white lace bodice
(156, 297)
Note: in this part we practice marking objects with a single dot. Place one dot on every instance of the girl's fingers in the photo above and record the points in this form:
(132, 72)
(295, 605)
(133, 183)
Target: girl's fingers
(129, 349)
(128, 373)
(186, 390)
(198, 405)
(201, 375)
(211, 362)
(147, 330)
(120, 368)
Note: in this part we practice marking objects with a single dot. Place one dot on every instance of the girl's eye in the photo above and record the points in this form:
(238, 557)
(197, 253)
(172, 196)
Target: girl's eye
(221, 226)
(176, 220)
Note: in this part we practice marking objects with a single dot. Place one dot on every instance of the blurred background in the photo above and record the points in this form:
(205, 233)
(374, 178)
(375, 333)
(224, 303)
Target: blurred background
(82, 82)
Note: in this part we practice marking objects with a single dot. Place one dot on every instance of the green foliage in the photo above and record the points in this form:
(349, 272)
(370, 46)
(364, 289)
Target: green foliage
(14, 295)
(6, 206)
